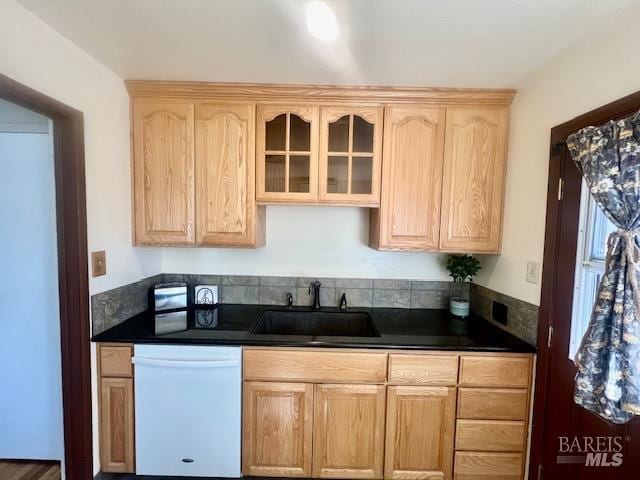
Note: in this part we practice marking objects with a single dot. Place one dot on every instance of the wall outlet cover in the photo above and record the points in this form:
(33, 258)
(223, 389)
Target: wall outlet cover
(500, 312)
(533, 272)
(98, 263)
(206, 294)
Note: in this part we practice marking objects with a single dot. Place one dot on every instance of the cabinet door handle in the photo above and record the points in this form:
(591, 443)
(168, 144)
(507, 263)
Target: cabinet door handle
(157, 362)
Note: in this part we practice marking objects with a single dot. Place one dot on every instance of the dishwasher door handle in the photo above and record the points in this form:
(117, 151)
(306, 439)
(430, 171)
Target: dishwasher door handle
(157, 362)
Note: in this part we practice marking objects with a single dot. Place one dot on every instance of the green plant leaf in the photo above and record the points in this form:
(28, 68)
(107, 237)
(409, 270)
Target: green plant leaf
(463, 267)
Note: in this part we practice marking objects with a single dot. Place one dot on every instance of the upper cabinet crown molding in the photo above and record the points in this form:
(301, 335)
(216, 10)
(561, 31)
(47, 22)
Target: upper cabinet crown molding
(318, 93)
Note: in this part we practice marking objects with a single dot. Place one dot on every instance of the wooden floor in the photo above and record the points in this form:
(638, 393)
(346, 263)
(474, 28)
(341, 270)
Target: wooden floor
(26, 470)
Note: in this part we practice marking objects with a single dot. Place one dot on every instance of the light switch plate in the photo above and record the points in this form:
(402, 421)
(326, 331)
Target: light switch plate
(98, 263)
(533, 272)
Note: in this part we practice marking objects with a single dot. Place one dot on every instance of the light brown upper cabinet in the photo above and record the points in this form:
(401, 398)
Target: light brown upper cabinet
(287, 153)
(350, 155)
(409, 214)
(194, 174)
(226, 212)
(208, 156)
(163, 164)
(473, 183)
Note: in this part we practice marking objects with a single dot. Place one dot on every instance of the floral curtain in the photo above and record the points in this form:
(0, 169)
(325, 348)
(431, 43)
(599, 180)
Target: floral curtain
(608, 360)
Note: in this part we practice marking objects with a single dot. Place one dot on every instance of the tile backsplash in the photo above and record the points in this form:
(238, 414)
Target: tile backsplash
(115, 306)
(522, 317)
(360, 292)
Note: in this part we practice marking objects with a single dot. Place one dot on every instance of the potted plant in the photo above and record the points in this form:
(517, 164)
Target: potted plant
(461, 268)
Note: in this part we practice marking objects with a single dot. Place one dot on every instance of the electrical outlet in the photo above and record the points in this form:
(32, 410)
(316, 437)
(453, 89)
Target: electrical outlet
(500, 312)
(98, 263)
(533, 272)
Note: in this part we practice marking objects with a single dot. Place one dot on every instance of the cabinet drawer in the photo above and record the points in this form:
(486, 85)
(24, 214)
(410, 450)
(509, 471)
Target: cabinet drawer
(490, 435)
(315, 366)
(487, 466)
(115, 360)
(492, 403)
(503, 371)
(423, 369)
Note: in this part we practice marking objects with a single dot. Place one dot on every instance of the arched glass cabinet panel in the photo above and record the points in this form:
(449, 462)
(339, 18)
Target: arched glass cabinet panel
(287, 153)
(350, 151)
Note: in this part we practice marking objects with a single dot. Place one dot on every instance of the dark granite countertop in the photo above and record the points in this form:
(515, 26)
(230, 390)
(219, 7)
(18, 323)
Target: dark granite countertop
(399, 328)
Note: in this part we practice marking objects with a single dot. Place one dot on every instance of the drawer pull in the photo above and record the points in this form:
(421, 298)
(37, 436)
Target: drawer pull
(187, 460)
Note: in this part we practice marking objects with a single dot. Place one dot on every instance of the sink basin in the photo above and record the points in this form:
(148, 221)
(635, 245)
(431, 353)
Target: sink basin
(315, 323)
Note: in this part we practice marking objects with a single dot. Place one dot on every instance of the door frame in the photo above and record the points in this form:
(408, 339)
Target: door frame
(559, 211)
(73, 280)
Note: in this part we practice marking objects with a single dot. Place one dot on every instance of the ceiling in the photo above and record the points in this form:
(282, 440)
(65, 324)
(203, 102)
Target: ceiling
(456, 43)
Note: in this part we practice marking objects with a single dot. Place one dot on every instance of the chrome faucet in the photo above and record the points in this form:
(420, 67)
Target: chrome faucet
(315, 286)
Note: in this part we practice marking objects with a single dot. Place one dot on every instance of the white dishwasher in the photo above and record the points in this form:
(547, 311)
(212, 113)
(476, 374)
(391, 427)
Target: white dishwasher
(188, 404)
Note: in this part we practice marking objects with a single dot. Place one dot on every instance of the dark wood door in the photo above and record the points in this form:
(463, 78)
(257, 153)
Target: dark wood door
(559, 424)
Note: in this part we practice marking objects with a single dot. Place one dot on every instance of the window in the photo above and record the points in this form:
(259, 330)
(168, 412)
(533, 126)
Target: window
(595, 228)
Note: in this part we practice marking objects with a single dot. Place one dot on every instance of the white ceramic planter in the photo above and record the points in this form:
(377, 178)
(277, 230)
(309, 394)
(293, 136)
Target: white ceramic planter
(459, 307)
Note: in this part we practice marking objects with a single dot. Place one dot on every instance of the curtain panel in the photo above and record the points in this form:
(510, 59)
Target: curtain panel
(608, 360)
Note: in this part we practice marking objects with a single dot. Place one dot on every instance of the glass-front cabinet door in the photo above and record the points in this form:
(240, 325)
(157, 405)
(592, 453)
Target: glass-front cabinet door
(287, 155)
(350, 155)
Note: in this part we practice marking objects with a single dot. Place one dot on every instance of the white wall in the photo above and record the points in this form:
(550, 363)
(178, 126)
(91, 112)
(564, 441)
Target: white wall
(310, 241)
(31, 399)
(33, 53)
(580, 79)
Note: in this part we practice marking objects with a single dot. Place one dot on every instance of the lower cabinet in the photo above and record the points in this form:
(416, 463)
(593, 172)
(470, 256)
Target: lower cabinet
(348, 430)
(116, 412)
(277, 425)
(420, 425)
(400, 415)
(117, 440)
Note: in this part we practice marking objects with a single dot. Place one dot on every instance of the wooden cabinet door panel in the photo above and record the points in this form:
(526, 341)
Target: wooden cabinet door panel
(279, 190)
(473, 184)
(423, 369)
(225, 174)
(488, 466)
(419, 438)
(277, 429)
(492, 403)
(490, 435)
(163, 157)
(314, 366)
(115, 360)
(359, 147)
(409, 215)
(116, 425)
(495, 371)
(348, 431)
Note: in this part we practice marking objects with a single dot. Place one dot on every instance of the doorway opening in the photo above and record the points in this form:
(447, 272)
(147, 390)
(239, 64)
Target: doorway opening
(31, 406)
(72, 274)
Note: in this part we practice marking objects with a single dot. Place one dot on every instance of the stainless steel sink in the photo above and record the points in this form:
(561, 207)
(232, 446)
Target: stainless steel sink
(315, 323)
